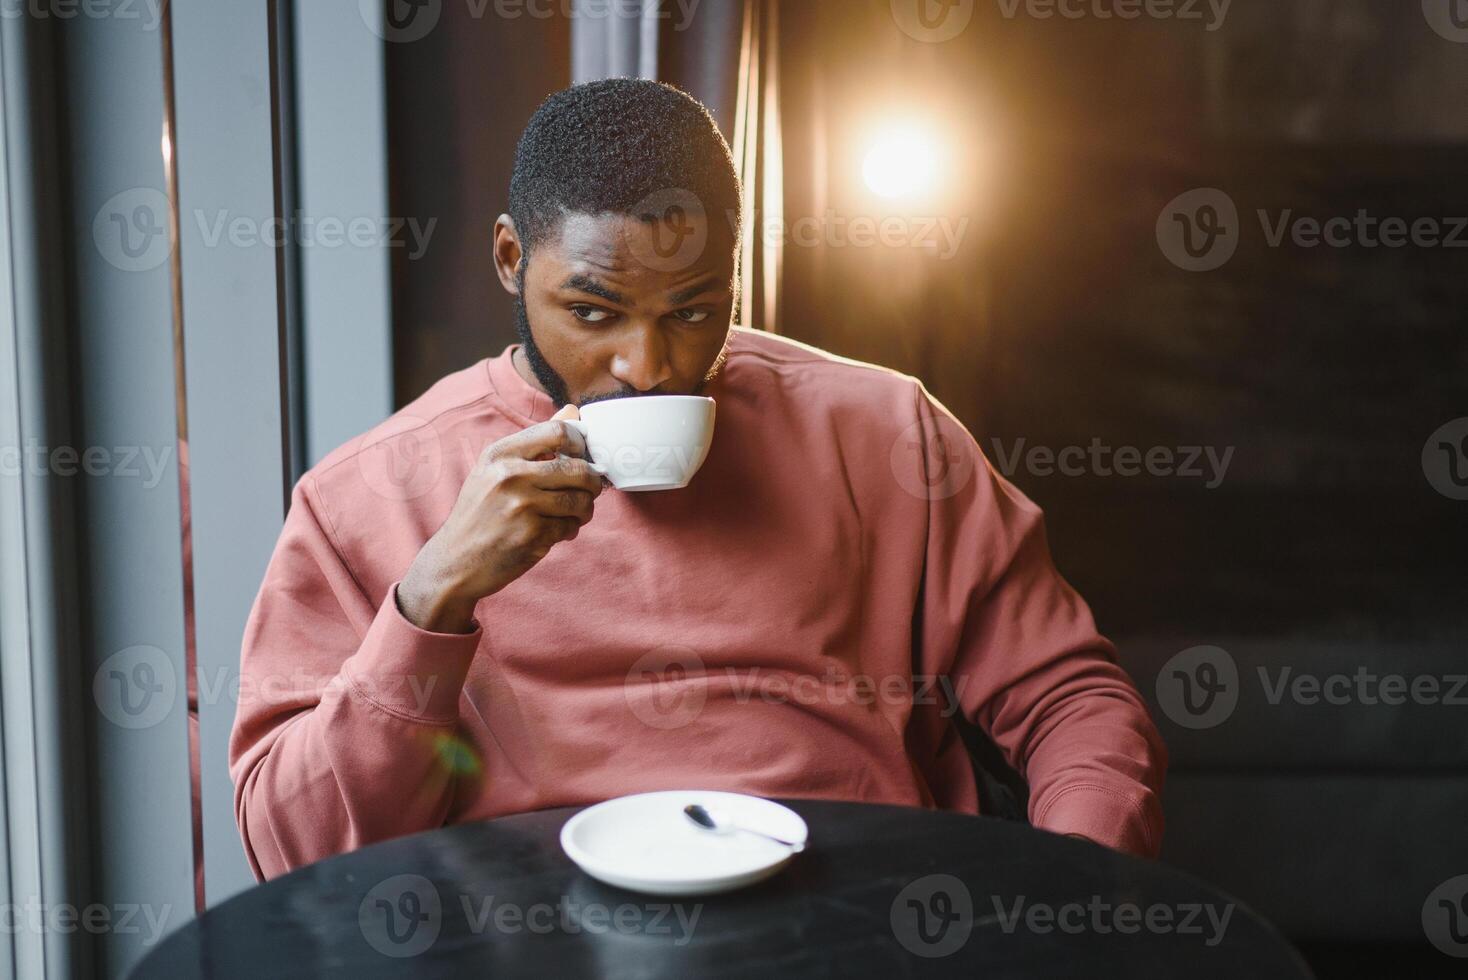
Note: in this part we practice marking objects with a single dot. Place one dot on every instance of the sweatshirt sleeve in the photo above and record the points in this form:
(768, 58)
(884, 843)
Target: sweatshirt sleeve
(1023, 654)
(345, 731)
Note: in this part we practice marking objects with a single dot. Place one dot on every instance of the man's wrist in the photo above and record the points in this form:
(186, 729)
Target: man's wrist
(434, 610)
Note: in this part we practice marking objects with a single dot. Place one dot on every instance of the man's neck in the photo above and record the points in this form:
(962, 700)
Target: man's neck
(522, 368)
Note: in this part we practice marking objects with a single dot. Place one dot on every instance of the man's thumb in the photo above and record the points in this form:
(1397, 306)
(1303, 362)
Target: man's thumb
(568, 412)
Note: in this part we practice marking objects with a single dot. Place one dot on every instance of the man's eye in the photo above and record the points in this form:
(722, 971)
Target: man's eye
(692, 316)
(590, 314)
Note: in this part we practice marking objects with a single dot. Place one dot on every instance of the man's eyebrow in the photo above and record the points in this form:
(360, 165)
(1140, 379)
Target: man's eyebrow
(589, 285)
(702, 286)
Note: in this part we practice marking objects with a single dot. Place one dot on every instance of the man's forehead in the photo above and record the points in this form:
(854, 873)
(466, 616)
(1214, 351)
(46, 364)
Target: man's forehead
(618, 244)
(592, 243)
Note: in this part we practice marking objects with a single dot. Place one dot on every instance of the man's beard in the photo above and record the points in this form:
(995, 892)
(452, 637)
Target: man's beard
(550, 379)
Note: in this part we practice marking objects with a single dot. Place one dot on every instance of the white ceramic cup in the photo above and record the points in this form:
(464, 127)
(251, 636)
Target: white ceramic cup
(648, 442)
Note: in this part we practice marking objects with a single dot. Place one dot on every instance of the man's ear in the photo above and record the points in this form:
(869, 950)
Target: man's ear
(507, 253)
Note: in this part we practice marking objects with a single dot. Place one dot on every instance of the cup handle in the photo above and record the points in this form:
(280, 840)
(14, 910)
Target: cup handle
(580, 427)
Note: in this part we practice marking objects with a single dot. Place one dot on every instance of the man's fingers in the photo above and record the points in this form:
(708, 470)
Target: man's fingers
(558, 529)
(575, 504)
(565, 473)
(554, 436)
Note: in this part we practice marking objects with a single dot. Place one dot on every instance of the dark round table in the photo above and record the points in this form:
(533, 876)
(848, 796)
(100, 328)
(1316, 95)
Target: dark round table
(883, 891)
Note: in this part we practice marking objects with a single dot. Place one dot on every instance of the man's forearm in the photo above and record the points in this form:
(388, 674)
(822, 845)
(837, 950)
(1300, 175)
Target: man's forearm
(370, 761)
(1097, 770)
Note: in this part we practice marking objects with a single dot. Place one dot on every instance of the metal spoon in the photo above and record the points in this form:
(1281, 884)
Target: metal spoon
(702, 818)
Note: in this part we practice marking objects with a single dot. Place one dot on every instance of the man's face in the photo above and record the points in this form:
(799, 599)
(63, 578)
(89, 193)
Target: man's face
(614, 306)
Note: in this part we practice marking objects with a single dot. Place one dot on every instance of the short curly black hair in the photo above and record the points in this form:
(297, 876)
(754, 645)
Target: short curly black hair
(607, 146)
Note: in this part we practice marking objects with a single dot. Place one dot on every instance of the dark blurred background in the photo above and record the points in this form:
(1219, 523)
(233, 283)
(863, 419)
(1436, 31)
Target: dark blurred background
(1062, 319)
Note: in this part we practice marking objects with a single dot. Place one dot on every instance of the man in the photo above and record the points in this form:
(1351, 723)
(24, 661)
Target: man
(458, 622)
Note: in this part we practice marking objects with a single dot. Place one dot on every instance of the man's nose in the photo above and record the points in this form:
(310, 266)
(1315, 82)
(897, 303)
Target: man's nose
(642, 363)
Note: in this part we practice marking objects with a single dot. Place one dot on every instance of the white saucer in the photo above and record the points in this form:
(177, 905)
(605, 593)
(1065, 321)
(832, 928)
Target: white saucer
(645, 843)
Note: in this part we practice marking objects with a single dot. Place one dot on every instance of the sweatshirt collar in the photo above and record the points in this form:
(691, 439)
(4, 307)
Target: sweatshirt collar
(527, 403)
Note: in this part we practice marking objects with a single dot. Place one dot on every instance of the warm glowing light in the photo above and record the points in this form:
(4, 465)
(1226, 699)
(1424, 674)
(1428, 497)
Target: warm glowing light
(456, 755)
(903, 161)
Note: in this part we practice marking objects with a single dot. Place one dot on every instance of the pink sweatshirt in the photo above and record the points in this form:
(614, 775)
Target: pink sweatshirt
(843, 574)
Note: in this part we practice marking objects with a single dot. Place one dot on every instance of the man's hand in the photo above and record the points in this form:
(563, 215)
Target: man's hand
(528, 492)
